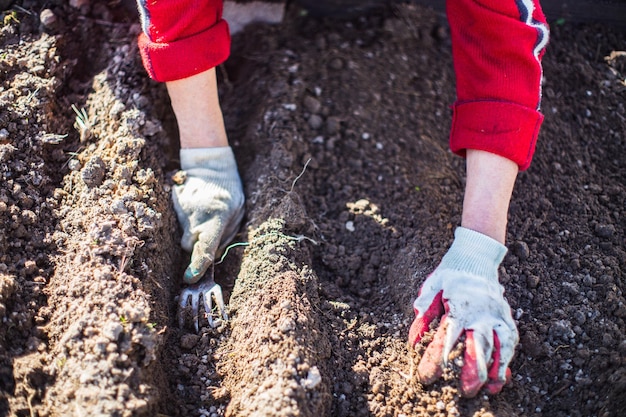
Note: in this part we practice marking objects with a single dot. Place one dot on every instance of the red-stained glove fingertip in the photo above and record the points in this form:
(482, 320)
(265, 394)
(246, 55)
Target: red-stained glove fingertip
(470, 383)
(430, 367)
(494, 386)
(421, 324)
(417, 330)
(470, 374)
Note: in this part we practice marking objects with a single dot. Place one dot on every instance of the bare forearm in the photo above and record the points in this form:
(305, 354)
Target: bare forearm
(196, 105)
(490, 181)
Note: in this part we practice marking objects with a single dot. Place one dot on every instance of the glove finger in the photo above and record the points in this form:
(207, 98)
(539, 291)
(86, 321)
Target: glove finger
(494, 387)
(474, 371)
(421, 323)
(232, 227)
(496, 382)
(453, 332)
(188, 239)
(430, 367)
(507, 340)
(202, 256)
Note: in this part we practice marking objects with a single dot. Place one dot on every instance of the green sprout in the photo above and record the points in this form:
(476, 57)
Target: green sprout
(10, 17)
(82, 124)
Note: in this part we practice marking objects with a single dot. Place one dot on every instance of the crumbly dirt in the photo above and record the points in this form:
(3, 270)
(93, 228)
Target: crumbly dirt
(340, 130)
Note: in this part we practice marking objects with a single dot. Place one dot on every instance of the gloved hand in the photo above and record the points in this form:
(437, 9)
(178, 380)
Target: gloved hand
(464, 289)
(209, 205)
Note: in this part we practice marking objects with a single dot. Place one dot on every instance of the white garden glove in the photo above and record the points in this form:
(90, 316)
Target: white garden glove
(209, 205)
(464, 289)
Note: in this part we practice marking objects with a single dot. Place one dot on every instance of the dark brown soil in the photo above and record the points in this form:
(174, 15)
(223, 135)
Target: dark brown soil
(340, 129)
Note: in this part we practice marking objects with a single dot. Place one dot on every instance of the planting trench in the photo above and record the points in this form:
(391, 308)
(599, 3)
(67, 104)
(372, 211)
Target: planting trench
(340, 131)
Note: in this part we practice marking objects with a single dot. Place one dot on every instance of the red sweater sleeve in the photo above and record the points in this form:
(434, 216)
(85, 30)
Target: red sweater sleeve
(497, 46)
(182, 38)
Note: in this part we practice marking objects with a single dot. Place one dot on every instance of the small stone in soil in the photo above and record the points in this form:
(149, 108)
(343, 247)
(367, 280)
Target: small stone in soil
(47, 18)
(94, 172)
(312, 105)
(336, 63)
(604, 230)
(521, 250)
(332, 125)
(189, 340)
(532, 281)
(315, 121)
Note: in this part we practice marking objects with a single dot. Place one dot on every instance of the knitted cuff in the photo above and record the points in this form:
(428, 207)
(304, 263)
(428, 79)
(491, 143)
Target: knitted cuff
(216, 159)
(506, 129)
(475, 253)
(170, 61)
